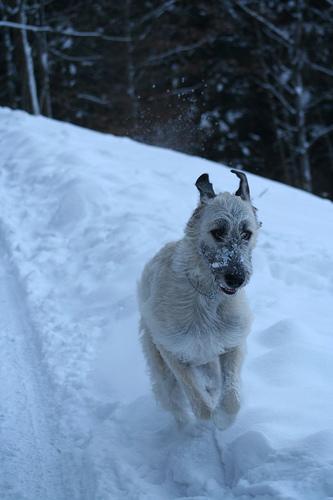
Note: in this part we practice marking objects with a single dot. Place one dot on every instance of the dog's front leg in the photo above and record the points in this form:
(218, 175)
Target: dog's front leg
(193, 384)
(231, 364)
(208, 377)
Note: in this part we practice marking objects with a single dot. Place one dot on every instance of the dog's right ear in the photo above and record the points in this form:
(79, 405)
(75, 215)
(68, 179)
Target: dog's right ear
(205, 188)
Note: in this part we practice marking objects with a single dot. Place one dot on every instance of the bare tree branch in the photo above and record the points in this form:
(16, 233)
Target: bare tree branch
(278, 95)
(321, 69)
(67, 57)
(94, 99)
(320, 134)
(283, 37)
(68, 32)
(156, 13)
(176, 51)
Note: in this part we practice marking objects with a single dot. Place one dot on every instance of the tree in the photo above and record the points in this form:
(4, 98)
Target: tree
(289, 31)
(243, 82)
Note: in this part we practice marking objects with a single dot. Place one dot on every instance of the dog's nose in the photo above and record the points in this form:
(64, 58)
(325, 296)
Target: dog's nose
(234, 280)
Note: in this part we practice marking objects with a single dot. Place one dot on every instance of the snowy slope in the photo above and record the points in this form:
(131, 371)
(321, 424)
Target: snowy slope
(81, 212)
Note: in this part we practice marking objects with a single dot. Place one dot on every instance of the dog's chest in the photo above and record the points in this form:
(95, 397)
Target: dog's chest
(203, 333)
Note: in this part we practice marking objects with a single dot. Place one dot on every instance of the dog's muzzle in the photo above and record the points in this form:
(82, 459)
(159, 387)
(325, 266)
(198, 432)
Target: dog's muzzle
(232, 281)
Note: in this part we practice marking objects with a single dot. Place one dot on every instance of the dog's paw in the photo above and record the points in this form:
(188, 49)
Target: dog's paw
(225, 414)
(222, 419)
(213, 395)
(231, 402)
(208, 380)
(202, 410)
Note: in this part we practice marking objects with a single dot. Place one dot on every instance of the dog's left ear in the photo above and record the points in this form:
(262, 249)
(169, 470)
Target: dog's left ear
(205, 188)
(243, 191)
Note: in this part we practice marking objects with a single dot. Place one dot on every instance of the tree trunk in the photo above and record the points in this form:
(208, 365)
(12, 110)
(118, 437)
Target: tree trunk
(131, 90)
(10, 67)
(302, 142)
(273, 107)
(29, 63)
(45, 94)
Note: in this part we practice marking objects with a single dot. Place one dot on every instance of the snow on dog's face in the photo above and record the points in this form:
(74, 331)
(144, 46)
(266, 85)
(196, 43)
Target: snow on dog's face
(224, 229)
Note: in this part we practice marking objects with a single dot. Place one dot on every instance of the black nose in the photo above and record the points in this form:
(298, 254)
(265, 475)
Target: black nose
(234, 280)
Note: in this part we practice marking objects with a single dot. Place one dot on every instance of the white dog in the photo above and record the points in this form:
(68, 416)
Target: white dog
(194, 313)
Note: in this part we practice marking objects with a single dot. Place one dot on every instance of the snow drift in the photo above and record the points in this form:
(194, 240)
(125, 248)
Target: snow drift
(81, 212)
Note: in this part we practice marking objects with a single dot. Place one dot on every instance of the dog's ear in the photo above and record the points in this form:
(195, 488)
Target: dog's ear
(243, 191)
(205, 188)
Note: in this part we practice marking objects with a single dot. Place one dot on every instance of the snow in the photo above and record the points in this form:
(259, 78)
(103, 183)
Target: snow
(31, 466)
(81, 212)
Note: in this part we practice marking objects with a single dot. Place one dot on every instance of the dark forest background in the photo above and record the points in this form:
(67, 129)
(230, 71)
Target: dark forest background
(246, 83)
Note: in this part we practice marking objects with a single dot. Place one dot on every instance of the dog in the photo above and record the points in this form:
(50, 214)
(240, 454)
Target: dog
(194, 314)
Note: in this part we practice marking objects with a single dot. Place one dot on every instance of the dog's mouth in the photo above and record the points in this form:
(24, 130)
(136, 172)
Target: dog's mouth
(228, 291)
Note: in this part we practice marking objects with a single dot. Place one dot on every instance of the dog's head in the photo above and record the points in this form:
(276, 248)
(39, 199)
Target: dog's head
(223, 229)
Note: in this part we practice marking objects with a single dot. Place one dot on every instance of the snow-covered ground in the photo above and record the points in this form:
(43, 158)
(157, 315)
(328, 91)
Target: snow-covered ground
(81, 212)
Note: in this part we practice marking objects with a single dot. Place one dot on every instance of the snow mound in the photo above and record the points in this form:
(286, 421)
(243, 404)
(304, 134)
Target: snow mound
(81, 212)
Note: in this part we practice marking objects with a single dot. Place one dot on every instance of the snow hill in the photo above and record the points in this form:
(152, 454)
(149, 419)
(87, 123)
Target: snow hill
(81, 212)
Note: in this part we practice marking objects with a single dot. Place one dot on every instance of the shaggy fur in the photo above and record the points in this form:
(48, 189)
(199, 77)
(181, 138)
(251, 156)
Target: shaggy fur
(193, 322)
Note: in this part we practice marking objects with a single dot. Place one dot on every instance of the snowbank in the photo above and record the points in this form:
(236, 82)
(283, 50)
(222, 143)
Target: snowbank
(81, 213)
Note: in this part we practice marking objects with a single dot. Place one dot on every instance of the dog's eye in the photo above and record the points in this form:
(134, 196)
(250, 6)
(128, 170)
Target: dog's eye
(246, 235)
(218, 234)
